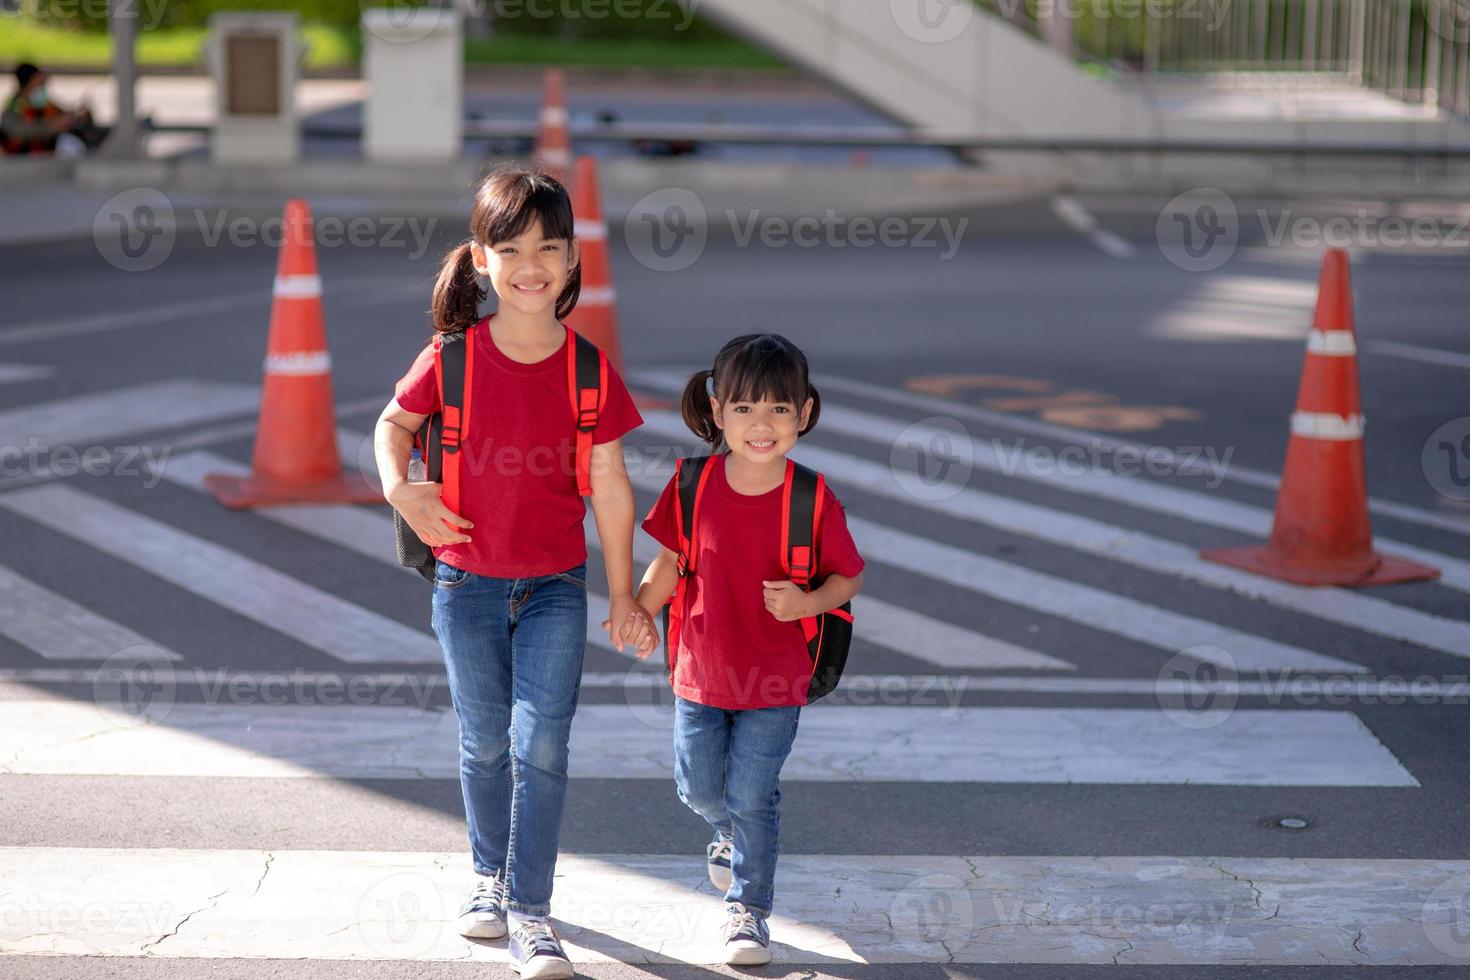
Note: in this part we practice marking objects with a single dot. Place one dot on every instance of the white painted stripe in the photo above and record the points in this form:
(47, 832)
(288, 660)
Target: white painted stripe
(305, 362)
(59, 629)
(301, 286)
(888, 625)
(1324, 425)
(1079, 219)
(364, 906)
(1081, 602)
(258, 592)
(1017, 423)
(16, 373)
(1011, 460)
(1416, 352)
(1298, 689)
(553, 115)
(841, 743)
(1332, 343)
(592, 231)
(121, 411)
(597, 296)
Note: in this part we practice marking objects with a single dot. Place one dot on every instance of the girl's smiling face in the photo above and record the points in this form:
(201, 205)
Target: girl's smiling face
(760, 431)
(529, 271)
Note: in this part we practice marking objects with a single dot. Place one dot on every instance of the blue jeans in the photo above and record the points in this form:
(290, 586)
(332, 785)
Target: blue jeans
(513, 649)
(727, 768)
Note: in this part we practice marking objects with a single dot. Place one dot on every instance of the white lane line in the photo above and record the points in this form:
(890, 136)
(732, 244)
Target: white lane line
(839, 743)
(891, 626)
(365, 531)
(857, 688)
(958, 410)
(848, 908)
(1414, 352)
(16, 373)
(1342, 606)
(1080, 220)
(1200, 508)
(1092, 607)
(59, 629)
(138, 408)
(274, 600)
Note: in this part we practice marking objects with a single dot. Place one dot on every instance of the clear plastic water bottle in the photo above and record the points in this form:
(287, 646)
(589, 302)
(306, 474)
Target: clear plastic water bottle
(417, 471)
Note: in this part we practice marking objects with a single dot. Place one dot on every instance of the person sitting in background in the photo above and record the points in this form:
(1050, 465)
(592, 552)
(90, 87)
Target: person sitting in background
(32, 123)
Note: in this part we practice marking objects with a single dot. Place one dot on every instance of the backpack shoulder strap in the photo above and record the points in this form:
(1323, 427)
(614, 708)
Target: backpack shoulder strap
(691, 474)
(454, 363)
(801, 499)
(587, 387)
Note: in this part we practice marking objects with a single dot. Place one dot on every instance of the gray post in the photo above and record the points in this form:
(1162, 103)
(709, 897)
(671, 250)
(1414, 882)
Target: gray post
(122, 25)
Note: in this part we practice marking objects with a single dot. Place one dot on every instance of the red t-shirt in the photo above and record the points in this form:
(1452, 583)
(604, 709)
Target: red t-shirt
(518, 479)
(733, 653)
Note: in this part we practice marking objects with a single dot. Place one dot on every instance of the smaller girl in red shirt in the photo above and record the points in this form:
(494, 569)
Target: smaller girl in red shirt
(742, 669)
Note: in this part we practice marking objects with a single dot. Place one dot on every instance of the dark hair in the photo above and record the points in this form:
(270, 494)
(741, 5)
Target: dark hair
(752, 368)
(507, 201)
(24, 72)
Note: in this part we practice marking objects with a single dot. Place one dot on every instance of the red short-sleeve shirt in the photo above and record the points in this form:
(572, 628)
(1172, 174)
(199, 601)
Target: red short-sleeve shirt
(518, 476)
(733, 653)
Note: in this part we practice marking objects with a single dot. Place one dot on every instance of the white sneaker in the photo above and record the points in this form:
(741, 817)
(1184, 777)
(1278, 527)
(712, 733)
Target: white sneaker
(747, 937)
(483, 914)
(536, 953)
(717, 860)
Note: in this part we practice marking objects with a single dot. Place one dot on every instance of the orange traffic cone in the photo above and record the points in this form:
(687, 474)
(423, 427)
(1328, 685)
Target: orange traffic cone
(595, 315)
(1321, 533)
(553, 152)
(295, 459)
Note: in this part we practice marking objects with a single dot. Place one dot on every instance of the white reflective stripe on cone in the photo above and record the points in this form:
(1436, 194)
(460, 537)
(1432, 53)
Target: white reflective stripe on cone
(589, 229)
(298, 287)
(556, 156)
(1324, 425)
(299, 362)
(597, 296)
(1331, 343)
(553, 115)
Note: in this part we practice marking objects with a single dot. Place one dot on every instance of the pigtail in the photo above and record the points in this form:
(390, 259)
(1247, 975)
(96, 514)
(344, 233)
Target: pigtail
(570, 293)
(811, 420)
(696, 410)
(457, 293)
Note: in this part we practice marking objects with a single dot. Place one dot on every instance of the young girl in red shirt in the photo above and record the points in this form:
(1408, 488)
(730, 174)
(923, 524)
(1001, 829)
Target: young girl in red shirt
(742, 669)
(510, 588)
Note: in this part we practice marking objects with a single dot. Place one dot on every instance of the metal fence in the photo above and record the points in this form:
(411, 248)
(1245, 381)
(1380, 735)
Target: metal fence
(1415, 50)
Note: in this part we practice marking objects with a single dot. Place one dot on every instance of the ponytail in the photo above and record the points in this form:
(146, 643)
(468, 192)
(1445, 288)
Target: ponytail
(696, 409)
(811, 420)
(457, 293)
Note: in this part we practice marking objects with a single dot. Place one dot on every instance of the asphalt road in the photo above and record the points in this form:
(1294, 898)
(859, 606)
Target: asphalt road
(1014, 613)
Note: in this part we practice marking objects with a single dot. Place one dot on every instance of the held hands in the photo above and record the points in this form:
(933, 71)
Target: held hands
(421, 507)
(786, 601)
(636, 626)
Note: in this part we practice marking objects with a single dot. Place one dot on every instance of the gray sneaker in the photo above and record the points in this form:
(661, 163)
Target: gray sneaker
(483, 914)
(717, 858)
(536, 953)
(747, 937)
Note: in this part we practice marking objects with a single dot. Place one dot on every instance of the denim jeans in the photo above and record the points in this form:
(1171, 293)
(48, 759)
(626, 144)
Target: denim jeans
(513, 649)
(727, 767)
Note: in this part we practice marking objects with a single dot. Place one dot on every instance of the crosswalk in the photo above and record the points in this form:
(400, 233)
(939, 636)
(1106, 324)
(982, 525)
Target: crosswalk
(1049, 642)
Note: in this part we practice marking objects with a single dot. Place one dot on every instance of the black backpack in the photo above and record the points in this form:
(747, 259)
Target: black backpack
(829, 634)
(443, 432)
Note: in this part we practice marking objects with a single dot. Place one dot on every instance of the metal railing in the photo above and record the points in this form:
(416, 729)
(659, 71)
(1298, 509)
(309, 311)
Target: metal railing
(1414, 50)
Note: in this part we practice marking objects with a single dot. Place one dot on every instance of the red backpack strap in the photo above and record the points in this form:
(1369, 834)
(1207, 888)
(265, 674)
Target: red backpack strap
(587, 388)
(454, 368)
(800, 501)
